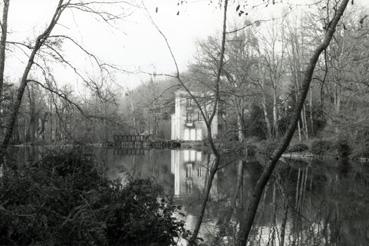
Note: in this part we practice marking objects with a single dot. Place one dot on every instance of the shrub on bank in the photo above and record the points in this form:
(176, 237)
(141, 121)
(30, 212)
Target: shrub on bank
(267, 147)
(343, 148)
(340, 147)
(63, 200)
(251, 150)
(321, 147)
(300, 147)
(360, 152)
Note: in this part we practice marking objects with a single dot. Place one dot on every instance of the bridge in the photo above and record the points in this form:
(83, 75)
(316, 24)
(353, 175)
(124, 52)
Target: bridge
(142, 142)
(131, 141)
(123, 151)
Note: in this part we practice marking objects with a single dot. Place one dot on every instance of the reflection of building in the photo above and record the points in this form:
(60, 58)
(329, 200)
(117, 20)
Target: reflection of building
(190, 171)
(187, 121)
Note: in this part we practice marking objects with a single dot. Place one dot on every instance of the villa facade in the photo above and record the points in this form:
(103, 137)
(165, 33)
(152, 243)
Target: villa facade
(187, 123)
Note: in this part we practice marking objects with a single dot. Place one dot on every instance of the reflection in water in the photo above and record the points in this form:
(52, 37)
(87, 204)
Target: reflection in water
(190, 169)
(319, 204)
(305, 203)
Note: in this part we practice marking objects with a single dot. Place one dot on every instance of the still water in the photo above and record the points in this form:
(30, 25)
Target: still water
(306, 202)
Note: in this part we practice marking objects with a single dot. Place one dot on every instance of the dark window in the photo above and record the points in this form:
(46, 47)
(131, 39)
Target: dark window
(199, 172)
(189, 170)
(188, 102)
(189, 186)
(189, 117)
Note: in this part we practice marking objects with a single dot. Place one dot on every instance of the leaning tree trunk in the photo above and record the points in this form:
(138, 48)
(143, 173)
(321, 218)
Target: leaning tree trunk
(23, 83)
(250, 213)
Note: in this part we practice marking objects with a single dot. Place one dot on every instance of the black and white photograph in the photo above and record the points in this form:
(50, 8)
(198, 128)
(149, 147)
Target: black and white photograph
(184, 122)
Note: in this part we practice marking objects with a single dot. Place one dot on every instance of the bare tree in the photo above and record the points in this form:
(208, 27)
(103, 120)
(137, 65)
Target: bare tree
(272, 61)
(208, 122)
(208, 117)
(40, 41)
(251, 210)
(49, 45)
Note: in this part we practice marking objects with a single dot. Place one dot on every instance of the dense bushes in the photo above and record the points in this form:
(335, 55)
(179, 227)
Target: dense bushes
(300, 147)
(255, 123)
(343, 148)
(251, 150)
(321, 147)
(63, 200)
(340, 147)
(267, 147)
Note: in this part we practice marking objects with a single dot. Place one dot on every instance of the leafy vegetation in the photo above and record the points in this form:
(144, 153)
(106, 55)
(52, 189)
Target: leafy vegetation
(320, 147)
(63, 200)
(343, 148)
(300, 147)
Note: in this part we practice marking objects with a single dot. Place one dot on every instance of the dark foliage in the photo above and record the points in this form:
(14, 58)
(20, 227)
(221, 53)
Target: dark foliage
(251, 150)
(319, 120)
(321, 147)
(267, 147)
(255, 124)
(362, 143)
(300, 147)
(63, 200)
(343, 148)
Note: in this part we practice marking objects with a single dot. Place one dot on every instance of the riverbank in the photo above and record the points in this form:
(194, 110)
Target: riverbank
(327, 149)
(310, 156)
(322, 149)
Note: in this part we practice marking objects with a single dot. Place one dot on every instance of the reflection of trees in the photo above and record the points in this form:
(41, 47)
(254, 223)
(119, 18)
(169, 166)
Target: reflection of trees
(317, 203)
(334, 208)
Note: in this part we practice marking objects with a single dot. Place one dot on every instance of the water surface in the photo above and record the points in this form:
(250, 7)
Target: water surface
(309, 202)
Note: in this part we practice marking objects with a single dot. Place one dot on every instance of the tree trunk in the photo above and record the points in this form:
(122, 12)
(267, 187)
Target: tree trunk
(275, 113)
(311, 113)
(283, 226)
(31, 130)
(250, 213)
(42, 124)
(23, 83)
(266, 117)
(208, 122)
(4, 35)
(304, 122)
(299, 131)
(208, 186)
(337, 104)
(228, 215)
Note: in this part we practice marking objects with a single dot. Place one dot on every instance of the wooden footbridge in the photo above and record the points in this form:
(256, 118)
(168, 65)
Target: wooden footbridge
(142, 142)
(123, 151)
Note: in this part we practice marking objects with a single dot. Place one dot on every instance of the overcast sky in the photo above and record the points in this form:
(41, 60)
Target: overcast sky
(131, 43)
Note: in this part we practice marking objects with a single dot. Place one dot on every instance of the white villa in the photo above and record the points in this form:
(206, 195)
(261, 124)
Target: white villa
(187, 122)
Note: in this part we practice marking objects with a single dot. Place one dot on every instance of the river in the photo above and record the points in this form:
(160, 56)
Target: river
(309, 202)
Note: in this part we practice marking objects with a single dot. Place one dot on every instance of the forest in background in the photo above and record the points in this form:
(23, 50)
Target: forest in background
(260, 80)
